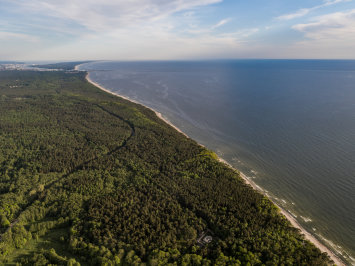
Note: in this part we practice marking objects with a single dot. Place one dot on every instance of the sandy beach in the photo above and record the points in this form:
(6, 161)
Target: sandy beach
(128, 99)
(289, 217)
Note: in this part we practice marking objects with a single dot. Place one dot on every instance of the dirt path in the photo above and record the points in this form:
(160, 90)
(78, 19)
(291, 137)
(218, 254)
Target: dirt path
(81, 166)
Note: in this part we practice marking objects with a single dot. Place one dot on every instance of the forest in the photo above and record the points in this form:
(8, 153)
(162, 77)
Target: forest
(88, 178)
(68, 66)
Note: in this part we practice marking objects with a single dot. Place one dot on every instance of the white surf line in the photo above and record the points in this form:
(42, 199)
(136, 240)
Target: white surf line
(289, 217)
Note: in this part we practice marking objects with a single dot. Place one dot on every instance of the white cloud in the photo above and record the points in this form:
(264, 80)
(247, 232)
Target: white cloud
(107, 14)
(150, 41)
(221, 23)
(147, 43)
(195, 29)
(8, 36)
(305, 11)
(242, 34)
(161, 29)
(299, 13)
(335, 26)
(129, 30)
(332, 35)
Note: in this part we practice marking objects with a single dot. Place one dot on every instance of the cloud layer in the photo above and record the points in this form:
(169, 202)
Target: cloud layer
(305, 11)
(174, 29)
(136, 29)
(106, 15)
(332, 33)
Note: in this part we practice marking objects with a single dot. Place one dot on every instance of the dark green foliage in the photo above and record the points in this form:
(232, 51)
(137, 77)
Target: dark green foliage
(121, 186)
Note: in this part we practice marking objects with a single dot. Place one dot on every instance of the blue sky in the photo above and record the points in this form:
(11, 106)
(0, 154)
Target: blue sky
(176, 29)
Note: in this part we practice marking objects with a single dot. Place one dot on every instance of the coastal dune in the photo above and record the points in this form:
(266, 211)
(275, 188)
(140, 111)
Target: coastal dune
(289, 217)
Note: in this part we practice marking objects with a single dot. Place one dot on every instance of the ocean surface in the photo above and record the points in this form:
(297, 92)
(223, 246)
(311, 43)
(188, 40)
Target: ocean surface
(289, 125)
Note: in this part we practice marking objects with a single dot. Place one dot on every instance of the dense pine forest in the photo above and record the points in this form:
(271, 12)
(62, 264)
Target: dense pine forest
(87, 178)
(61, 66)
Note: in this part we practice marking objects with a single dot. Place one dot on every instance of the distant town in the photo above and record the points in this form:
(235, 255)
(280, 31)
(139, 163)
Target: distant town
(15, 66)
(24, 66)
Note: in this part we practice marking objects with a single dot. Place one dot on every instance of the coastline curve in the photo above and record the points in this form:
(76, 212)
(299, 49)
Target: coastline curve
(289, 217)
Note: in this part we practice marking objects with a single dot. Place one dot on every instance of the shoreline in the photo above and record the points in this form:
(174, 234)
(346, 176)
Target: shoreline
(159, 115)
(308, 236)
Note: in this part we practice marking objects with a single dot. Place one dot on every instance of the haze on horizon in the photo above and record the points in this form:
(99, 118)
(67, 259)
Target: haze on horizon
(176, 29)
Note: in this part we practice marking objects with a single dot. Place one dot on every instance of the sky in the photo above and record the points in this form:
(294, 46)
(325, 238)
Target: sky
(176, 29)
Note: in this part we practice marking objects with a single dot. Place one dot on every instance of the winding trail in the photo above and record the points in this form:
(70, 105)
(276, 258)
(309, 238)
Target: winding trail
(81, 166)
(293, 221)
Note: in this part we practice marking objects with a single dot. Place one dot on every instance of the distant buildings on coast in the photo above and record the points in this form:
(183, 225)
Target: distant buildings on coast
(23, 66)
(12, 66)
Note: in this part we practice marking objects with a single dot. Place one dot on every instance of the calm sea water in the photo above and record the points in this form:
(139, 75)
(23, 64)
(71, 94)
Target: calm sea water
(289, 125)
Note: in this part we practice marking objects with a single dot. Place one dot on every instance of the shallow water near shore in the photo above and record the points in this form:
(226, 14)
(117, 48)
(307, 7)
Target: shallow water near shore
(289, 125)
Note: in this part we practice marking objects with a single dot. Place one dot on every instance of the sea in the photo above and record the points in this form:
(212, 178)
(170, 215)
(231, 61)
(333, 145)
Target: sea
(288, 125)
